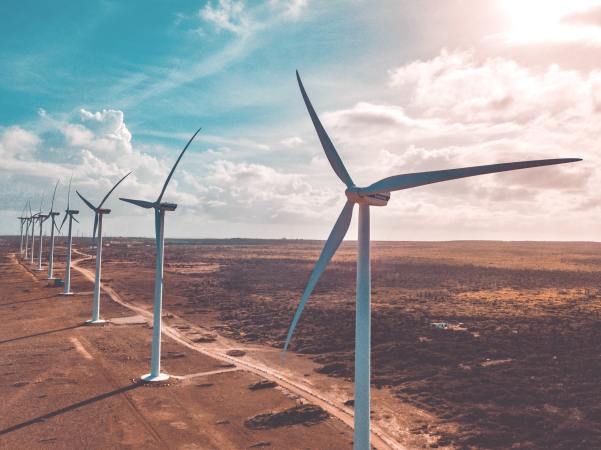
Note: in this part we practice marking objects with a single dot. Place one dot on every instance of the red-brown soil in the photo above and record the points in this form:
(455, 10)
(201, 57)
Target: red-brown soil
(65, 385)
(501, 342)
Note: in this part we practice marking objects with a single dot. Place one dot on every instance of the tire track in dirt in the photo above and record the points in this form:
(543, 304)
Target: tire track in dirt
(131, 404)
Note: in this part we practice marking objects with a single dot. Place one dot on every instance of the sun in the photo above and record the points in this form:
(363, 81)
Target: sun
(540, 19)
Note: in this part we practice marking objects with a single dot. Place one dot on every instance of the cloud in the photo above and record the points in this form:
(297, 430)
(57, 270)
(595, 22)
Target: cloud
(456, 84)
(292, 141)
(292, 9)
(18, 144)
(226, 15)
(258, 193)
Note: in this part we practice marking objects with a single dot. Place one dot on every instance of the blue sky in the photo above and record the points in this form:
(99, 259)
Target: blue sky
(98, 88)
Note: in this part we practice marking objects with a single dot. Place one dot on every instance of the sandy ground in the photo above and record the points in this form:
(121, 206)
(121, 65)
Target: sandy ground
(67, 385)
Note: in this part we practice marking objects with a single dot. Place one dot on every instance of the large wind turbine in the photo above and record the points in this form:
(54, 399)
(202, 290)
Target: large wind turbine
(69, 213)
(52, 216)
(98, 213)
(376, 194)
(159, 221)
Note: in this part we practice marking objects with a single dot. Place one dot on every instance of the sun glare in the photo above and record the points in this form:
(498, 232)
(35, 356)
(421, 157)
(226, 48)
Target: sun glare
(542, 19)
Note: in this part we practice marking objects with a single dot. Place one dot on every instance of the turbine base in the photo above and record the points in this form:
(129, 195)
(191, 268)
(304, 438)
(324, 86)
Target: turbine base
(96, 322)
(66, 293)
(149, 378)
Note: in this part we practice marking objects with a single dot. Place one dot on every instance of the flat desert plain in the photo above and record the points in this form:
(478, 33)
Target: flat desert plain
(474, 345)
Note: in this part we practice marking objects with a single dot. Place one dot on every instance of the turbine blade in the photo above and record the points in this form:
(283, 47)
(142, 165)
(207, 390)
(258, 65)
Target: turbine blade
(112, 189)
(69, 193)
(63, 222)
(53, 194)
(326, 143)
(75, 219)
(411, 180)
(92, 207)
(336, 236)
(175, 165)
(95, 226)
(140, 203)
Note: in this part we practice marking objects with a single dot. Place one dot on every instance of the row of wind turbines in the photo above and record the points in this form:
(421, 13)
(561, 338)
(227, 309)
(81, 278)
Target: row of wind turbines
(376, 194)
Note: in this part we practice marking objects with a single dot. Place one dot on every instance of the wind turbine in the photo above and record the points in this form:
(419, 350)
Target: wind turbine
(159, 222)
(40, 218)
(98, 213)
(34, 218)
(376, 194)
(52, 216)
(22, 219)
(27, 224)
(69, 213)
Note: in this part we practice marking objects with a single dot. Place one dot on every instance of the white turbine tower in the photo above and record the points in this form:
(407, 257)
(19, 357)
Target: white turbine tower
(159, 222)
(376, 194)
(22, 219)
(34, 219)
(52, 216)
(28, 220)
(69, 213)
(98, 213)
(41, 219)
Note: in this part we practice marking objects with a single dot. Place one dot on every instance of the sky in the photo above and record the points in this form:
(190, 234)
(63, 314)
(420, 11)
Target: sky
(92, 90)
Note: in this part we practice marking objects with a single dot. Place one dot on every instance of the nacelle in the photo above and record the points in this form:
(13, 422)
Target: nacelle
(168, 206)
(379, 199)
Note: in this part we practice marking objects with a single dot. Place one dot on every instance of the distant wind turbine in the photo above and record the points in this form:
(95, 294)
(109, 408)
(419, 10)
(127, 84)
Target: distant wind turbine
(41, 219)
(52, 216)
(98, 213)
(69, 213)
(22, 219)
(159, 221)
(27, 225)
(34, 218)
(376, 194)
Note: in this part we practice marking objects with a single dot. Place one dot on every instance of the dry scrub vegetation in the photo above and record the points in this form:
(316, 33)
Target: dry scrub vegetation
(500, 340)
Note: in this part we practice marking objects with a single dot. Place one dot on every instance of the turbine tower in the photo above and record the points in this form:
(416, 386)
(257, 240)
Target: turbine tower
(69, 213)
(98, 213)
(34, 218)
(52, 216)
(22, 219)
(376, 194)
(40, 218)
(159, 222)
(27, 224)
